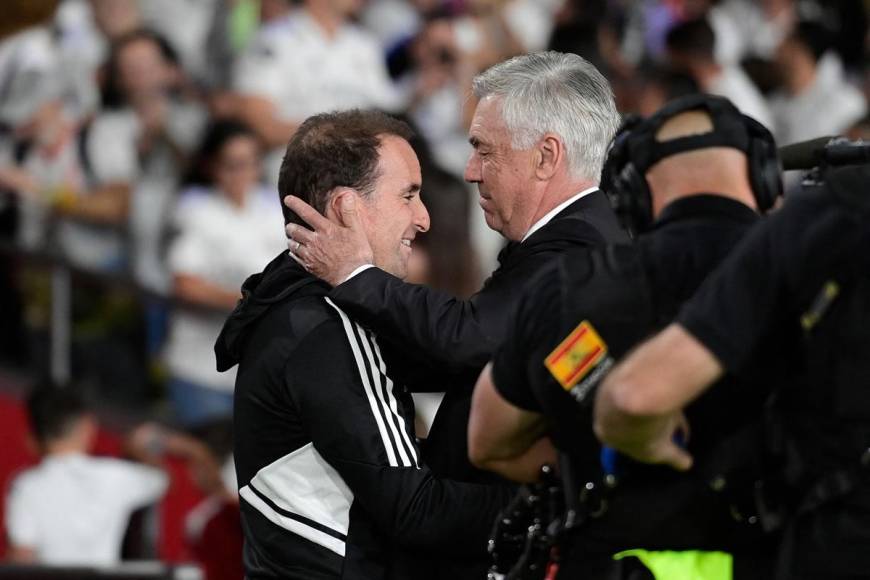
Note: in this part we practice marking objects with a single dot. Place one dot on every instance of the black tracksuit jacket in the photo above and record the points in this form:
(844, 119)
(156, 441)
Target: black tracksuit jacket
(331, 480)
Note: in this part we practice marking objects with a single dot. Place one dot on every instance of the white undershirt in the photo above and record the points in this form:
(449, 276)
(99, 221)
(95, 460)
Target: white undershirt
(556, 210)
(359, 269)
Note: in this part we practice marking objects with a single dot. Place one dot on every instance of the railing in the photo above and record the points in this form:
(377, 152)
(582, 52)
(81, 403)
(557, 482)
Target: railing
(64, 276)
(125, 571)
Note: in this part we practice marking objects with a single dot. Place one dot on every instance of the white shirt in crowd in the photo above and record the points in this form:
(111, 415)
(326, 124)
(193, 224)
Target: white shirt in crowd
(186, 25)
(113, 154)
(294, 64)
(29, 67)
(222, 244)
(736, 86)
(74, 509)
(743, 29)
(830, 106)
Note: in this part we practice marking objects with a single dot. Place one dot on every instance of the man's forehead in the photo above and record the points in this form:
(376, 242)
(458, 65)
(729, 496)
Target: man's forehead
(398, 160)
(487, 123)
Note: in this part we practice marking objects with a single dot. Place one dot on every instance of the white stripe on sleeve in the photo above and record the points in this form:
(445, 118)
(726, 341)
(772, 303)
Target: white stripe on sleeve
(367, 387)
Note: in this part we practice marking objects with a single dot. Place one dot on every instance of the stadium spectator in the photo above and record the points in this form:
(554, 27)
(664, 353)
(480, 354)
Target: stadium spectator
(28, 67)
(186, 25)
(691, 48)
(749, 28)
(213, 529)
(313, 60)
(141, 139)
(128, 155)
(654, 86)
(440, 83)
(84, 31)
(73, 509)
(396, 22)
(812, 104)
(224, 233)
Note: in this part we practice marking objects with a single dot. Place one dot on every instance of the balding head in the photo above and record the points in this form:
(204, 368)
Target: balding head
(720, 170)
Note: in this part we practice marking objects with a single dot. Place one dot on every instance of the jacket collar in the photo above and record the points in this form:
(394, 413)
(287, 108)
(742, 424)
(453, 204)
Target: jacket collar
(706, 205)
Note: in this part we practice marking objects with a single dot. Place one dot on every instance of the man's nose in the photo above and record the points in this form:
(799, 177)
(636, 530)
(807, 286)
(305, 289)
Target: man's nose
(421, 218)
(472, 168)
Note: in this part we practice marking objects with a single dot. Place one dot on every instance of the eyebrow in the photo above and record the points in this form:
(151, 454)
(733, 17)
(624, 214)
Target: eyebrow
(413, 188)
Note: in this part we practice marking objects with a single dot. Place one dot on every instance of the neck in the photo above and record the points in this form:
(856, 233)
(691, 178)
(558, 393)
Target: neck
(741, 194)
(555, 196)
(63, 447)
(706, 73)
(551, 200)
(237, 198)
(801, 79)
(327, 18)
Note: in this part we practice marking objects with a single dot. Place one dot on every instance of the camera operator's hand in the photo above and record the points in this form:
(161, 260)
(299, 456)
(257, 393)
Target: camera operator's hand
(640, 412)
(660, 440)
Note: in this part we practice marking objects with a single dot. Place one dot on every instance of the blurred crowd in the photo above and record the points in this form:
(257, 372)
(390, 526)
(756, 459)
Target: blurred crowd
(140, 142)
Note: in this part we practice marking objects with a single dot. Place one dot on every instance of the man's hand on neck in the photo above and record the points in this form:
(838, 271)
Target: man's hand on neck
(330, 250)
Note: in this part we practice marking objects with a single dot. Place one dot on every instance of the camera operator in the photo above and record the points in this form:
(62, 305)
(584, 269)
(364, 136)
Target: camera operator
(797, 289)
(691, 178)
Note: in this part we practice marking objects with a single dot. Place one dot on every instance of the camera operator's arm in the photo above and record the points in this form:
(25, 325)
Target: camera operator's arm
(505, 438)
(770, 281)
(638, 409)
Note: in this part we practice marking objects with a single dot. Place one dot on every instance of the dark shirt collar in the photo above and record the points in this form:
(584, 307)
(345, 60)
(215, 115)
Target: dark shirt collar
(706, 205)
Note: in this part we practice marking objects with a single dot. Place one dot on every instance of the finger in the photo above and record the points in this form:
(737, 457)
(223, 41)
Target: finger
(298, 260)
(310, 215)
(676, 457)
(301, 234)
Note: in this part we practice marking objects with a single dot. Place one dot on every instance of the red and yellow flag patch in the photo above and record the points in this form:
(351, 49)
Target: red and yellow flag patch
(575, 356)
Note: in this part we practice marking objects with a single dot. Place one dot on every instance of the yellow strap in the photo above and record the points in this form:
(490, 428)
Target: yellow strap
(684, 565)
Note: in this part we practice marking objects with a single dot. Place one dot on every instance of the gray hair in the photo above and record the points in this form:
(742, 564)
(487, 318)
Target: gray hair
(557, 93)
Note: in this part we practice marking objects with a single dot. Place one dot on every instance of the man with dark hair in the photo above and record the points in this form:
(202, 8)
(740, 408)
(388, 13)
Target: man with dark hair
(73, 509)
(330, 475)
(335, 151)
(691, 49)
(54, 413)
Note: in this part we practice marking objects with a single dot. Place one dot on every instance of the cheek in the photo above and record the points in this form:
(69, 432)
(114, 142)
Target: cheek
(489, 169)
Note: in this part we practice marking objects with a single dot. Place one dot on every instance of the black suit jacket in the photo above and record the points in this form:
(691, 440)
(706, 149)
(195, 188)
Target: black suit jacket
(458, 336)
(446, 341)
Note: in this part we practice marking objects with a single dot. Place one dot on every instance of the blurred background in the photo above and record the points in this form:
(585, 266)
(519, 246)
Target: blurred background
(139, 147)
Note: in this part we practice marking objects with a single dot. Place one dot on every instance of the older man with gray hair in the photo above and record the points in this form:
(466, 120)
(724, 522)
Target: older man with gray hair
(540, 135)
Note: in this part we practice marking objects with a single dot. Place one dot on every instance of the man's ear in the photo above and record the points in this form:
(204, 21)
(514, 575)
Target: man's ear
(333, 208)
(549, 154)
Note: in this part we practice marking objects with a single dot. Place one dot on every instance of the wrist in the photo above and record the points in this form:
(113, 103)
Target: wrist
(353, 273)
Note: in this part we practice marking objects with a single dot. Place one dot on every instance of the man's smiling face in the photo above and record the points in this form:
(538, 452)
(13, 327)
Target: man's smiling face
(393, 214)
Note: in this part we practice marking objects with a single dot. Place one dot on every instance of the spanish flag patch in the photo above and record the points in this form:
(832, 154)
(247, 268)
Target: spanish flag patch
(575, 356)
